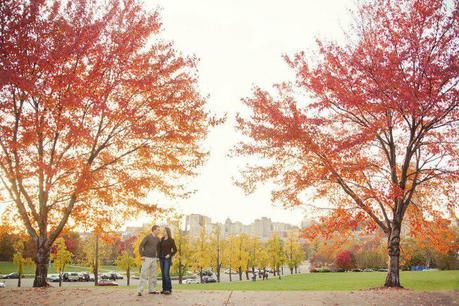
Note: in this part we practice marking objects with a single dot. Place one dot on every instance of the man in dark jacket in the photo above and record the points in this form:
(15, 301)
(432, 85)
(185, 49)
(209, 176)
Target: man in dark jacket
(148, 249)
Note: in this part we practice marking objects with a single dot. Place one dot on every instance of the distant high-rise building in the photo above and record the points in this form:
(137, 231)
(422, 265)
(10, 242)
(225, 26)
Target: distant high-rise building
(195, 222)
(263, 228)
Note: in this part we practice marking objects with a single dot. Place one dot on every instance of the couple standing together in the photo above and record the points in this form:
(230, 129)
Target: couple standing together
(151, 249)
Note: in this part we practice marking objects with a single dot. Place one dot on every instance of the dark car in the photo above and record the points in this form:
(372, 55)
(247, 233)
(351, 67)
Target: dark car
(207, 273)
(208, 279)
(11, 276)
(84, 277)
(111, 276)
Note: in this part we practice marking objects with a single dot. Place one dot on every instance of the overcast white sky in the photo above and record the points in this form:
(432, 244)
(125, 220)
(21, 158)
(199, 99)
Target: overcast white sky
(240, 43)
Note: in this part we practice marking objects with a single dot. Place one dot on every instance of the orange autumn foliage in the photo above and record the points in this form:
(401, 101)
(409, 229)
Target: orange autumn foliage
(96, 111)
(367, 124)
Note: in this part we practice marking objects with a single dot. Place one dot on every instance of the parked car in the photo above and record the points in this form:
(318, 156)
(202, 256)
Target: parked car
(207, 273)
(107, 283)
(227, 271)
(356, 270)
(53, 278)
(70, 277)
(382, 270)
(84, 276)
(368, 270)
(11, 275)
(2, 285)
(192, 281)
(104, 276)
(111, 275)
(116, 275)
(208, 279)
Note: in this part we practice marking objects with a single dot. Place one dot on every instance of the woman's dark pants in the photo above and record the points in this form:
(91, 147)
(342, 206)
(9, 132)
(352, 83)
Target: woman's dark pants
(165, 264)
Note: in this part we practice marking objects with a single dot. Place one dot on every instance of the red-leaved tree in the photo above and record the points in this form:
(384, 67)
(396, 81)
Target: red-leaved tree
(368, 124)
(345, 260)
(96, 111)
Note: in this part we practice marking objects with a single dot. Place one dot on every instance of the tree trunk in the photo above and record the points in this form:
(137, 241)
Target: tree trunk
(41, 262)
(240, 273)
(291, 270)
(96, 263)
(393, 274)
(128, 275)
(219, 266)
(247, 274)
(180, 276)
(296, 269)
(230, 277)
(19, 279)
(200, 275)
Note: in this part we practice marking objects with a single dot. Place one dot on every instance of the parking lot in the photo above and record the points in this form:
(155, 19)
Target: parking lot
(224, 277)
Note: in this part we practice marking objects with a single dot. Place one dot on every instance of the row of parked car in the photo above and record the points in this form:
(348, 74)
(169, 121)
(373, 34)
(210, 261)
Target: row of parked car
(83, 277)
(12, 275)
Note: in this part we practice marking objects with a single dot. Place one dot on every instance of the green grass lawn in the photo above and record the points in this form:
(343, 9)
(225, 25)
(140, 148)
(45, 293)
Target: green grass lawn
(431, 280)
(8, 267)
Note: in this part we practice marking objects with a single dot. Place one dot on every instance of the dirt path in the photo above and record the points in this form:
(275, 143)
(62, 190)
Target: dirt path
(114, 296)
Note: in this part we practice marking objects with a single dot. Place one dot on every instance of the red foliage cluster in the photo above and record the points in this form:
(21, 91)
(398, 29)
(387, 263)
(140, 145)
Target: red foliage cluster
(345, 260)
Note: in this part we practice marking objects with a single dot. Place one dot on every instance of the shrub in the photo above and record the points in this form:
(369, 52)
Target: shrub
(345, 260)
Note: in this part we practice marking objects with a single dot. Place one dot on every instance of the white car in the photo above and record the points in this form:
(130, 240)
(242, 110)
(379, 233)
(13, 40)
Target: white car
(73, 277)
(53, 277)
(2, 285)
(191, 281)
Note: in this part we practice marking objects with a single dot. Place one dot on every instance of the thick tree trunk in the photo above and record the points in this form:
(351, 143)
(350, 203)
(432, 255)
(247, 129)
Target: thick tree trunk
(240, 273)
(128, 275)
(247, 274)
(19, 279)
(41, 262)
(291, 270)
(393, 244)
(200, 275)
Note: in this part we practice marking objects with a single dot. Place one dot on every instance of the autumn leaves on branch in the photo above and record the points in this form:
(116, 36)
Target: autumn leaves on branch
(96, 112)
(372, 124)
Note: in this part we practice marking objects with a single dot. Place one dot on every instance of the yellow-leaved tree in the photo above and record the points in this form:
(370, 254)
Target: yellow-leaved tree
(276, 253)
(182, 258)
(294, 252)
(216, 249)
(20, 261)
(60, 257)
(200, 258)
(242, 255)
(125, 262)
